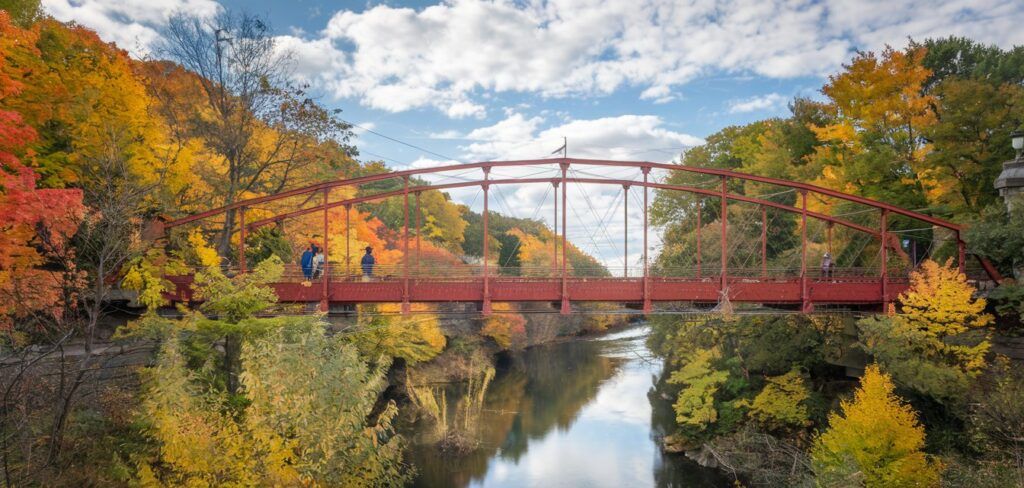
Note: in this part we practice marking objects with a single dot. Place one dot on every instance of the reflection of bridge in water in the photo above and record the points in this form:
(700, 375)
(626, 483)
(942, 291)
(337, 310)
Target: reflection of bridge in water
(863, 283)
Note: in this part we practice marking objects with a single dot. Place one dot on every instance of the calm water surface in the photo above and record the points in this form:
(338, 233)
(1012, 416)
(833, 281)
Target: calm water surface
(569, 414)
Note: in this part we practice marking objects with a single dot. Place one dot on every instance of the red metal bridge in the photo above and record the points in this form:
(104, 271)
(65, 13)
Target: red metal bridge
(799, 287)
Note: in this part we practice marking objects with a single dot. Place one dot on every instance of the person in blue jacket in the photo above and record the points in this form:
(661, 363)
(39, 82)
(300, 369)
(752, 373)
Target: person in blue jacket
(368, 262)
(307, 263)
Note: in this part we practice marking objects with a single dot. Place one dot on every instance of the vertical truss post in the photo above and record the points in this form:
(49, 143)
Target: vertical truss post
(700, 228)
(348, 240)
(405, 252)
(625, 231)
(325, 304)
(805, 298)
(647, 280)
(884, 268)
(830, 237)
(764, 243)
(723, 284)
(419, 228)
(487, 247)
(241, 240)
(566, 306)
(961, 254)
(554, 248)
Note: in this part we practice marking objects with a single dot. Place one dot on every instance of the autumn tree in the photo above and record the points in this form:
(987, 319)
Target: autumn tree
(873, 145)
(933, 344)
(251, 115)
(875, 441)
(383, 333)
(701, 379)
(781, 404)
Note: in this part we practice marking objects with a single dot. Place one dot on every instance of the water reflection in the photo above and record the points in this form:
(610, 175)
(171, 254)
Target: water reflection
(568, 414)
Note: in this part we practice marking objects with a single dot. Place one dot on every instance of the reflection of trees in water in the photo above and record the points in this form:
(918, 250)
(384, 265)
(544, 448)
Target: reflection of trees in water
(560, 380)
(543, 388)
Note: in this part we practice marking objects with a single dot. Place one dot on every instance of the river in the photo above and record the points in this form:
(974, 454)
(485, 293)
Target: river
(569, 414)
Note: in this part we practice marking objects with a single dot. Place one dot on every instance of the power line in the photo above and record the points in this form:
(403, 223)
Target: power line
(378, 134)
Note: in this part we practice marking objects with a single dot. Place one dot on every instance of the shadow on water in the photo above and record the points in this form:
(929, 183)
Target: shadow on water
(576, 413)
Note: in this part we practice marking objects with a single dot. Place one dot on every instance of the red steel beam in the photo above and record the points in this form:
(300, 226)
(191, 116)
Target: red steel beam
(662, 186)
(585, 162)
(566, 307)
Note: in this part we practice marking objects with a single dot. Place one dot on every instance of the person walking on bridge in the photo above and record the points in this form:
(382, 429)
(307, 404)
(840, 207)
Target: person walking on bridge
(367, 263)
(826, 265)
(306, 263)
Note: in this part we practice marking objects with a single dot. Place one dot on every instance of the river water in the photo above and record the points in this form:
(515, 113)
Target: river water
(572, 414)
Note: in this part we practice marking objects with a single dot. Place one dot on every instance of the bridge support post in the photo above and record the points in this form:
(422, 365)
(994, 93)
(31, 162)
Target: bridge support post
(348, 240)
(884, 268)
(961, 254)
(625, 231)
(554, 240)
(325, 276)
(700, 228)
(647, 280)
(241, 240)
(723, 283)
(566, 306)
(419, 227)
(764, 243)
(405, 251)
(805, 298)
(486, 245)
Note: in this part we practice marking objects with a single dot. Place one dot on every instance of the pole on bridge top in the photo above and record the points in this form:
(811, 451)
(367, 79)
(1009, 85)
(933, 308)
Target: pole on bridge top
(884, 268)
(405, 252)
(723, 285)
(646, 283)
(486, 245)
(241, 240)
(325, 303)
(554, 240)
(566, 306)
(805, 299)
(625, 231)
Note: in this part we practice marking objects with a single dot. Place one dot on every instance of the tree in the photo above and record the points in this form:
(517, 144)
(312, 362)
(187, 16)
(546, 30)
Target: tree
(781, 404)
(695, 404)
(251, 116)
(873, 144)
(382, 333)
(309, 398)
(506, 327)
(932, 344)
(875, 441)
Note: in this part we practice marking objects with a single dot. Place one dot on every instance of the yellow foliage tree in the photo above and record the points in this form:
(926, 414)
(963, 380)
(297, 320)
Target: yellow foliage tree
(383, 332)
(781, 404)
(876, 441)
(933, 345)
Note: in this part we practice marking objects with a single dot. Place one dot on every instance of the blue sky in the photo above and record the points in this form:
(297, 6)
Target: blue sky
(630, 79)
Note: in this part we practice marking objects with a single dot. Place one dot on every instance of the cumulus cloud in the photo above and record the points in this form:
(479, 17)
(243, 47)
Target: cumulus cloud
(448, 55)
(134, 26)
(771, 101)
(443, 54)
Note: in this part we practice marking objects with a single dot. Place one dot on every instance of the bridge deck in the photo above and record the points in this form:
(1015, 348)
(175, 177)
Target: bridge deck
(862, 291)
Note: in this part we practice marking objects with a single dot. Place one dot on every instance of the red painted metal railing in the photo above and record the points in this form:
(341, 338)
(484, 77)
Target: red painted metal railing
(407, 284)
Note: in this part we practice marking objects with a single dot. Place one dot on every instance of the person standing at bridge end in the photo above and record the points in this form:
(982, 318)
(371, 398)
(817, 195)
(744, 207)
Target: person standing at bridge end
(367, 263)
(826, 265)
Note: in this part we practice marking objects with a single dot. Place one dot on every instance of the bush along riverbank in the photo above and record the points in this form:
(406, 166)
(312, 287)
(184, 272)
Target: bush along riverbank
(778, 400)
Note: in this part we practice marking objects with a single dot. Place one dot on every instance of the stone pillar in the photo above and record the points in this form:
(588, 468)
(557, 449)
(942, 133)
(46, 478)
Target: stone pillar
(1010, 182)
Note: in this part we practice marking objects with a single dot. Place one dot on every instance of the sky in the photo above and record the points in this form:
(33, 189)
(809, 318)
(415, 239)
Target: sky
(473, 80)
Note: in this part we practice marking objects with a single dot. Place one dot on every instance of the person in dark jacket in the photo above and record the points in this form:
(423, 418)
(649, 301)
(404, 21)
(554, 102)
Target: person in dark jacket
(368, 262)
(307, 263)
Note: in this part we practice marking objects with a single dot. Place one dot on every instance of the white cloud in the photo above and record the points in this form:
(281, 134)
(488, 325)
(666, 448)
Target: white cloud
(441, 55)
(133, 25)
(448, 55)
(771, 101)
